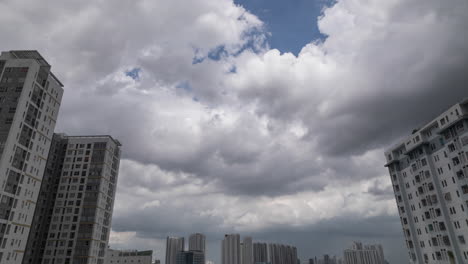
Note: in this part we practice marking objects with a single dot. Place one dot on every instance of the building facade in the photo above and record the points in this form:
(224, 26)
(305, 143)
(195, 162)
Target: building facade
(247, 251)
(190, 257)
(230, 249)
(197, 242)
(282, 254)
(128, 257)
(73, 220)
(260, 253)
(174, 245)
(45, 203)
(30, 97)
(429, 173)
(364, 254)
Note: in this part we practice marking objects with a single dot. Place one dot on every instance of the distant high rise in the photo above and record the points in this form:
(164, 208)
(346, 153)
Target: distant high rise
(247, 251)
(429, 172)
(128, 256)
(230, 249)
(260, 252)
(282, 254)
(326, 259)
(197, 242)
(30, 97)
(174, 245)
(368, 254)
(190, 257)
(73, 218)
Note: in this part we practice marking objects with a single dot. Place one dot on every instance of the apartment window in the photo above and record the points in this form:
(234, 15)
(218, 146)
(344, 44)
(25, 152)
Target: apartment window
(424, 162)
(461, 239)
(465, 189)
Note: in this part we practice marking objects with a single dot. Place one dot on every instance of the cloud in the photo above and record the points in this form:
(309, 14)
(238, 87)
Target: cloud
(222, 133)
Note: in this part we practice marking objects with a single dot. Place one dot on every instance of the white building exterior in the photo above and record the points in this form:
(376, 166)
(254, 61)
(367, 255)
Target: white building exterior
(128, 257)
(30, 97)
(364, 254)
(429, 173)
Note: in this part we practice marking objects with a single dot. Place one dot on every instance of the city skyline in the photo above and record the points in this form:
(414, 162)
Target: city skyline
(227, 130)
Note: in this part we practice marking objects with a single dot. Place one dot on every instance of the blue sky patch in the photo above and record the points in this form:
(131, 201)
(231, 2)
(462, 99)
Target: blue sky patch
(134, 73)
(184, 85)
(292, 24)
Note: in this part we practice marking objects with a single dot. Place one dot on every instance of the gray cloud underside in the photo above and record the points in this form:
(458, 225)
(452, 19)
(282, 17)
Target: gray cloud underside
(260, 142)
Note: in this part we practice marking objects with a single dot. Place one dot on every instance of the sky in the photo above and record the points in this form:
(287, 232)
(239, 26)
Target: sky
(264, 118)
(289, 25)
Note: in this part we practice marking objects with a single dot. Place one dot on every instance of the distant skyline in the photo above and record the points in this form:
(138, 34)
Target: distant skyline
(224, 131)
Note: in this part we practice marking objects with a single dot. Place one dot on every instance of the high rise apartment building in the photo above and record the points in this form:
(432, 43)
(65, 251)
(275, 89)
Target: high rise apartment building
(247, 251)
(282, 254)
(73, 217)
(230, 249)
(197, 242)
(260, 253)
(364, 254)
(429, 173)
(45, 203)
(30, 97)
(174, 245)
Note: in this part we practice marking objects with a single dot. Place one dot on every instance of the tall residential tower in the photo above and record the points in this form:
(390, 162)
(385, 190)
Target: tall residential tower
(282, 254)
(30, 97)
(73, 218)
(174, 245)
(364, 254)
(230, 249)
(247, 251)
(197, 242)
(429, 173)
(260, 253)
